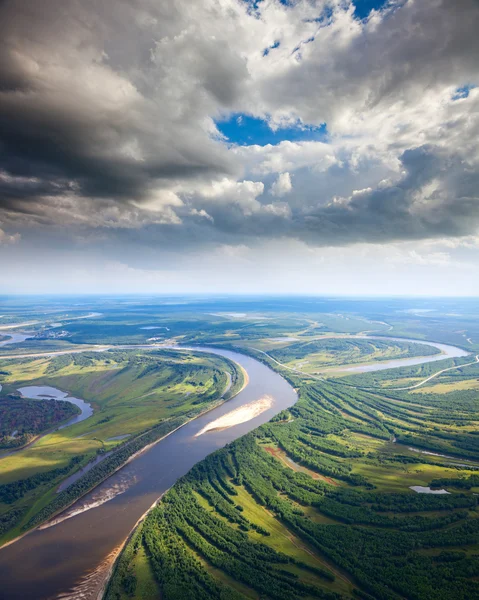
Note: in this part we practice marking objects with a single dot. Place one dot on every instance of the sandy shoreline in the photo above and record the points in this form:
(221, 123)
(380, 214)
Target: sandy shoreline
(239, 415)
(131, 458)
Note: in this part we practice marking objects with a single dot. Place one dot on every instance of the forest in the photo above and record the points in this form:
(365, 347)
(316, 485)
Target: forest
(22, 419)
(318, 503)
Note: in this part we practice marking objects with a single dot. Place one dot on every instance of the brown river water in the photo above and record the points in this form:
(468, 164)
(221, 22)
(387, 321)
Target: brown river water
(70, 556)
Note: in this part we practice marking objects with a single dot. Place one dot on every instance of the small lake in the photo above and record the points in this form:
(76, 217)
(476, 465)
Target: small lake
(45, 392)
(420, 489)
(14, 338)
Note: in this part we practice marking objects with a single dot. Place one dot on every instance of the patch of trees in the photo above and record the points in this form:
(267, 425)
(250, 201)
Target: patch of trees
(10, 518)
(466, 483)
(10, 492)
(102, 470)
(30, 417)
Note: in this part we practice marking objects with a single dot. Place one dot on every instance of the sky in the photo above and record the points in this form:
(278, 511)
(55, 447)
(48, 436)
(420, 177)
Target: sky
(274, 146)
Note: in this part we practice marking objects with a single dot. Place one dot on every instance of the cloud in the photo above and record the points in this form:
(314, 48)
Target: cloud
(282, 185)
(80, 114)
(6, 238)
(108, 111)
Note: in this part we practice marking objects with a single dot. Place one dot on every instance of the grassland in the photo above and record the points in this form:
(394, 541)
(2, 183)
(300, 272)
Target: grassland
(132, 392)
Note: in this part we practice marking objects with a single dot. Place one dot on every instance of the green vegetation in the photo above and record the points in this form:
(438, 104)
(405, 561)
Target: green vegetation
(28, 418)
(317, 504)
(141, 394)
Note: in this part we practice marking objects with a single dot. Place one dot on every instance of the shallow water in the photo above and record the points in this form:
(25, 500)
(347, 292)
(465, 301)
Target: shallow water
(420, 489)
(46, 392)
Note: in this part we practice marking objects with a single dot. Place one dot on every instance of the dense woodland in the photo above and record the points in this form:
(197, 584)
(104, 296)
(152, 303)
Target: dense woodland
(27, 418)
(332, 473)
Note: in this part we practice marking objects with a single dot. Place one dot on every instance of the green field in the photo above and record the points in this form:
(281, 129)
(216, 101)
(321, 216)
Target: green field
(131, 392)
(315, 504)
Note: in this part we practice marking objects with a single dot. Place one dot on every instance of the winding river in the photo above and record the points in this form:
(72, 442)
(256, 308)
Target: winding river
(446, 351)
(70, 556)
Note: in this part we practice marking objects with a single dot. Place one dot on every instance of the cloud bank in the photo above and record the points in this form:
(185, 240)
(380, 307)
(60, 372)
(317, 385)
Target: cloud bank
(109, 113)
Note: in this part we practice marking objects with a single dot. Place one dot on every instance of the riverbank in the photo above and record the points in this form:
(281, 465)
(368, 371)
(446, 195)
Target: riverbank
(122, 455)
(94, 533)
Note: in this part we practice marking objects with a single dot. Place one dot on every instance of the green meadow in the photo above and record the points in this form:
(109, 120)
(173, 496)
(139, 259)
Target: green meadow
(130, 391)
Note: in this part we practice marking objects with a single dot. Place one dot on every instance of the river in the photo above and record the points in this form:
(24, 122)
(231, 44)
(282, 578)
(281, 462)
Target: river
(70, 559)
(446, 351)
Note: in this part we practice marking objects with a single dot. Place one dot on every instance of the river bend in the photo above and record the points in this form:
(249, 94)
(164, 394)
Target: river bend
(68, 559)
(70, 556)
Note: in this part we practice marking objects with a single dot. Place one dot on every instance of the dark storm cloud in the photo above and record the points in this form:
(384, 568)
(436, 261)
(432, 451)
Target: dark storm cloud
(82, 101)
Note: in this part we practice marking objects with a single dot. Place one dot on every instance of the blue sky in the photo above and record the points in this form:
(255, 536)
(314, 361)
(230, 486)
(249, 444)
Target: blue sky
(364, 7)
(245, 130)
(463, 92)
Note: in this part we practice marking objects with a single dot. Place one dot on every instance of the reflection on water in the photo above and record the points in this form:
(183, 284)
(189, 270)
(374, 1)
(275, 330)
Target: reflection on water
(45, 392)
